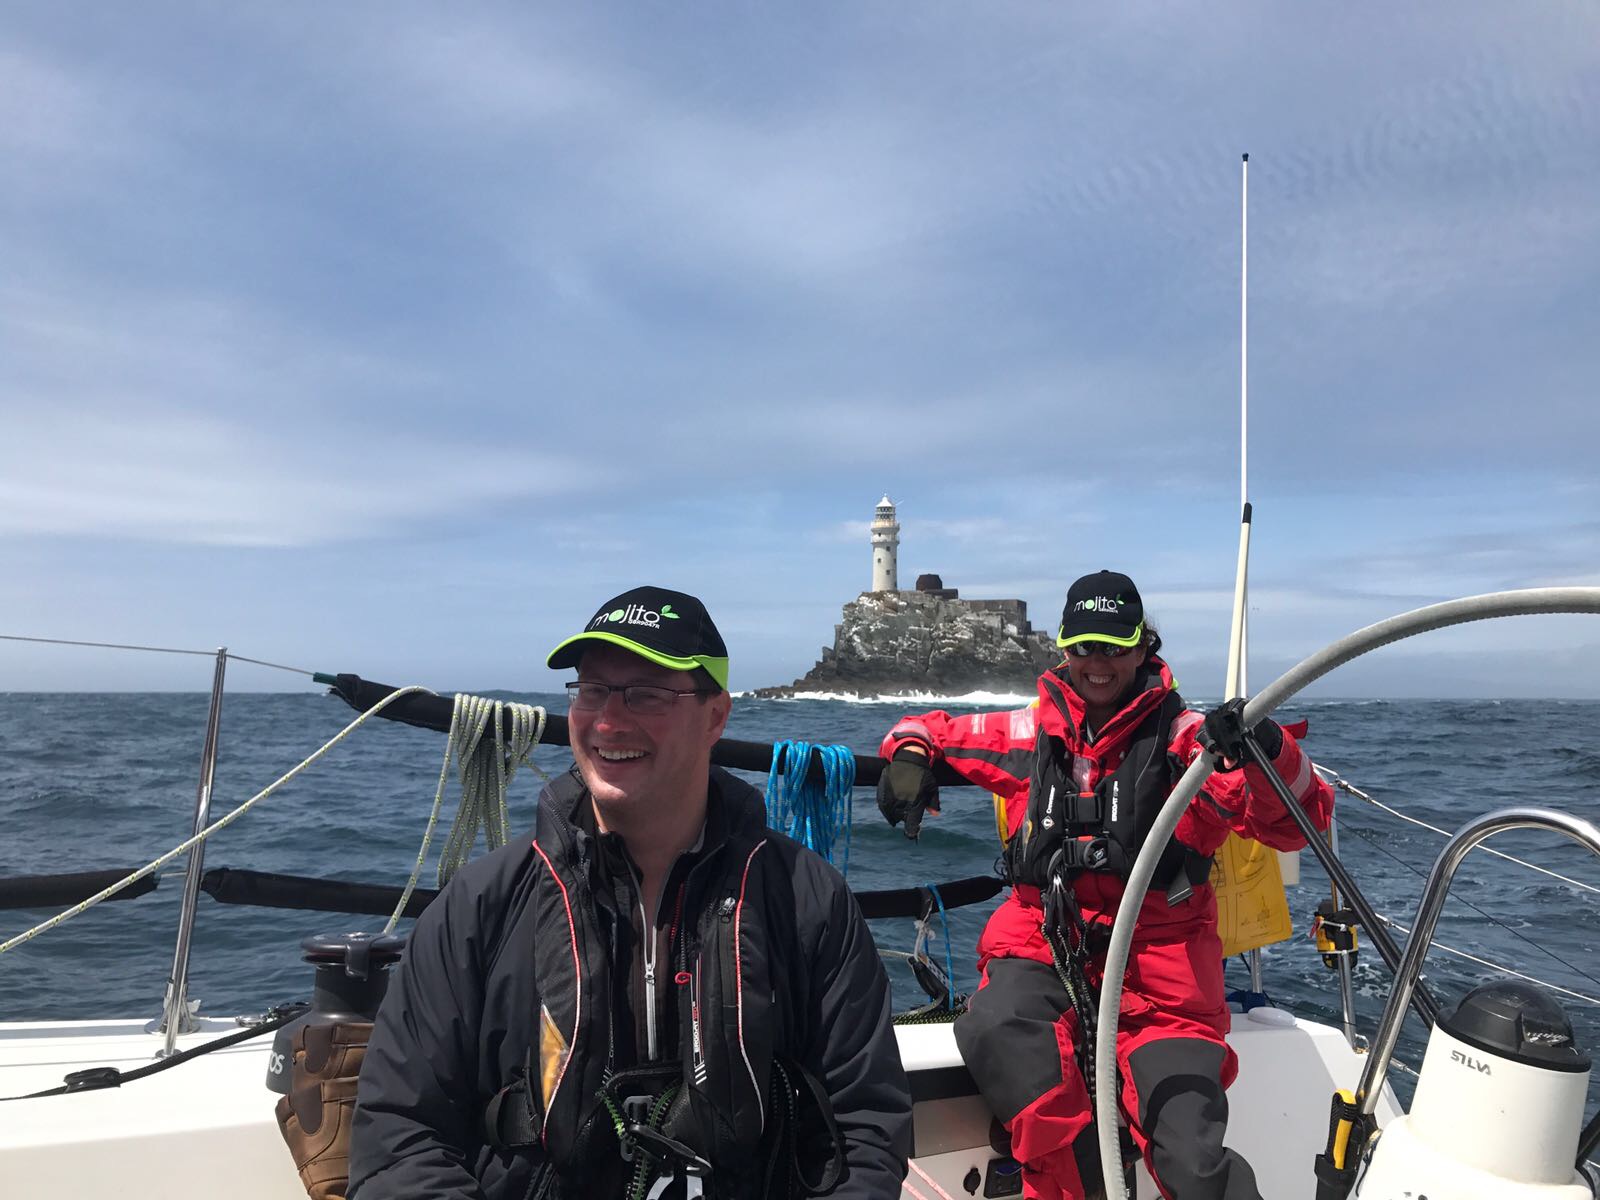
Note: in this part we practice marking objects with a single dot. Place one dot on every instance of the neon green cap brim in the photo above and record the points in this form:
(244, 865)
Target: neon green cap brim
(1133, 639)
(717, 668)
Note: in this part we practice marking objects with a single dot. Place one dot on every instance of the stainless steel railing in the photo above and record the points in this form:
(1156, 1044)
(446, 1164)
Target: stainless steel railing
(176, 1016)
(1434, 893)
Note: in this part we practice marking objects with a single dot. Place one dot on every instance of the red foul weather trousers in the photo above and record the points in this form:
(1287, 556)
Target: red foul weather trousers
(1018, 1040)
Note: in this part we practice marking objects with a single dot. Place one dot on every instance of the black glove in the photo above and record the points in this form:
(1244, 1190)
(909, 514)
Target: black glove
(906, 788)
(1223, 734)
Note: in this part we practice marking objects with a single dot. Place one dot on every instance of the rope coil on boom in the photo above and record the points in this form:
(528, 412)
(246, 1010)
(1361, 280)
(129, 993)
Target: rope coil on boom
(812, 814)
(483, 795)
(485, 770)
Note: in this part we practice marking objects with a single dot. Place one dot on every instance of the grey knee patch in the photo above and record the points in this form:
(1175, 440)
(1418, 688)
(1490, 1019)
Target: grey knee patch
(1008, 1036)
(1183, 1110)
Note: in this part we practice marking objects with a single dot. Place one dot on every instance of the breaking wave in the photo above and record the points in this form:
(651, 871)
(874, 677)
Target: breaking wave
(966, 699)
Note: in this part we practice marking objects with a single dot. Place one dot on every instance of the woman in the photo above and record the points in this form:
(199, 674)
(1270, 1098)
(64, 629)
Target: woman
(1081, 774)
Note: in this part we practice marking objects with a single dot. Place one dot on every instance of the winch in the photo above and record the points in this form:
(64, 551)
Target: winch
(1498, 1107)
(351, 978)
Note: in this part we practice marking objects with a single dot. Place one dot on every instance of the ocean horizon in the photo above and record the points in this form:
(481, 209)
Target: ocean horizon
(107, 780)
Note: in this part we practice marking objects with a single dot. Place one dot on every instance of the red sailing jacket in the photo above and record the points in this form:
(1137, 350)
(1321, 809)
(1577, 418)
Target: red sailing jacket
(996, 751)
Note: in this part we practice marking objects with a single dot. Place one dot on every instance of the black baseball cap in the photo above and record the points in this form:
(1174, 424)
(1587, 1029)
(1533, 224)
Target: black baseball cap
(1103, 607)
(666, 627)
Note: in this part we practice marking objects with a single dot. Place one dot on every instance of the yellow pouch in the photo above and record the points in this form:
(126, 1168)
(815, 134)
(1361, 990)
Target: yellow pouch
(1252, 909)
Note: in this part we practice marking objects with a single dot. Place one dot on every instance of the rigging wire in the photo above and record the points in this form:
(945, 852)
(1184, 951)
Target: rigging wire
(222, 823)
(12, 637)
(259, 662)
(1371, 839)
(1484, 962)
(1349, 788)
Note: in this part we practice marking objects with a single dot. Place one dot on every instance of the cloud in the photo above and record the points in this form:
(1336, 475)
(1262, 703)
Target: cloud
(183, 477)
(563, 297)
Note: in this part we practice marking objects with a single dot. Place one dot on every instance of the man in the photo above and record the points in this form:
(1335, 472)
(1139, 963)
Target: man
(1082, 774)
(657, 995)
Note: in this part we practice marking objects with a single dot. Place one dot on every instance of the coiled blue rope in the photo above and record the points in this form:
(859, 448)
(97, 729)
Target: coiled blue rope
(813, 815)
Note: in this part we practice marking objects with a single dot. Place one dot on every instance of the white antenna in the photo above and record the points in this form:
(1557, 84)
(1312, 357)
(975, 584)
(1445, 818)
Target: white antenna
(1238, 649)
(1244, 331)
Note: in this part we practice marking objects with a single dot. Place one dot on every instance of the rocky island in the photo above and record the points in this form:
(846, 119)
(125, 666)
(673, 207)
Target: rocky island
(927, 640)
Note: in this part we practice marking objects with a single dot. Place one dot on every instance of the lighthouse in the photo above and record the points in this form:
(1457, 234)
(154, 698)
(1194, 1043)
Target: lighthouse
(885, 547)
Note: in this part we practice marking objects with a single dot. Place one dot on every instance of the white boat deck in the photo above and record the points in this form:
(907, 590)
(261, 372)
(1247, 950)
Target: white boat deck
(201, 1129)
(206, 1127)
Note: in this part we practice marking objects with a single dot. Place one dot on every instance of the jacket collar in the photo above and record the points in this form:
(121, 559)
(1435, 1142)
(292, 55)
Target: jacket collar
(565, 810)
(1062, 711)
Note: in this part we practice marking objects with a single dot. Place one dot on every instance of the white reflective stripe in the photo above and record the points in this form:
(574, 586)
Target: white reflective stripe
(1185, 721)
(1024, 724)
(1302, 777)
(738, 974)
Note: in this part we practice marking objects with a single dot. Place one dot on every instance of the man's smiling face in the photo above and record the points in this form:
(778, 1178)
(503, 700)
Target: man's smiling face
(628, 759)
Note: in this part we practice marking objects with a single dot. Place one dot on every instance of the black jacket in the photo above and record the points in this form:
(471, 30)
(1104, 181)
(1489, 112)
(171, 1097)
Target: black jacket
(458, 1018)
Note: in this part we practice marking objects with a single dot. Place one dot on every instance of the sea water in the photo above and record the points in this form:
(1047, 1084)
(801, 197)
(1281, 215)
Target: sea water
(108, 781)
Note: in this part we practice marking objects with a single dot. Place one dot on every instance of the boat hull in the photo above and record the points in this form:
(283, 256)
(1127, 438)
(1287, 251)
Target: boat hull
(176, 1134)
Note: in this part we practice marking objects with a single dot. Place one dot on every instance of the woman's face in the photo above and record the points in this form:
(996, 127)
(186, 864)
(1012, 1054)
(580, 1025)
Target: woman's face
(1103, 682)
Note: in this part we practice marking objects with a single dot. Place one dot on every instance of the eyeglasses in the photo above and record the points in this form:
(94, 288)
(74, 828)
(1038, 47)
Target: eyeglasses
(1104, 649)
(644, 699)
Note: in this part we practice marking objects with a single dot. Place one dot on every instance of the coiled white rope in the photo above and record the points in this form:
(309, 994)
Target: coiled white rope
(185, 846)
(485, 770)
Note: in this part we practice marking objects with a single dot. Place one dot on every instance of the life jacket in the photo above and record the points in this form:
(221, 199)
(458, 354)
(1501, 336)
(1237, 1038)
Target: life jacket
(726, 1109)
(1067, 830)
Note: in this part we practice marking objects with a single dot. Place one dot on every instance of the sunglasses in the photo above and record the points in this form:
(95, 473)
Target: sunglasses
(1104, 649)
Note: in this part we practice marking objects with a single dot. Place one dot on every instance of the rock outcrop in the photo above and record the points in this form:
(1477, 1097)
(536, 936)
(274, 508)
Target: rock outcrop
(893, 643)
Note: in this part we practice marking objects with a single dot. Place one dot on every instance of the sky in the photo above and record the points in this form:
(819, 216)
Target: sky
(394, 338)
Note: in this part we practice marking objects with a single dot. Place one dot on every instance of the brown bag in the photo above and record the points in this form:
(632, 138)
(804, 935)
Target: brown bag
(315, 1116)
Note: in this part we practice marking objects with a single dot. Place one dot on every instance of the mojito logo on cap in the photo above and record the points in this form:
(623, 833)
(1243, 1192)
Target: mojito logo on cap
(1100, 604)
(1103, 607)
(671, 629)
(635, 614)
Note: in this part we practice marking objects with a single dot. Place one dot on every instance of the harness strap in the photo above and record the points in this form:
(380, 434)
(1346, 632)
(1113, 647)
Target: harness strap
(813, 1102)
(508, 1118)
(809, 1148)
(1091, 852)
(1194, 870)
(1061, 915)
(1086, 808)
(667, 1150)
